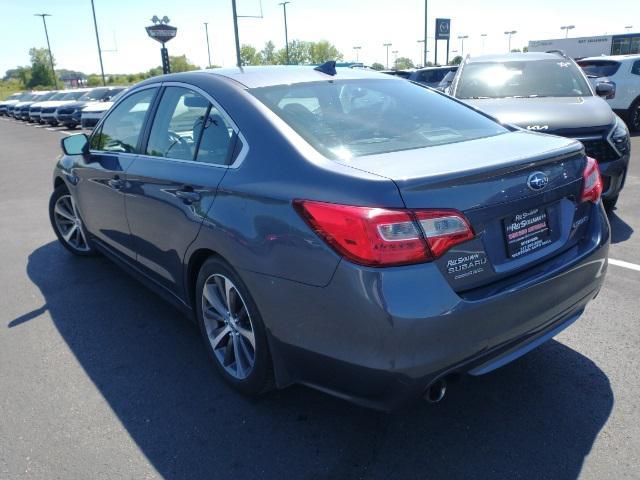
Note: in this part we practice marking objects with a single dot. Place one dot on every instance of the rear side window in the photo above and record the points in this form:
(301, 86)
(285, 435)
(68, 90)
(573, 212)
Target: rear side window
(635, 69)
(599, 68)
(351, 118)
(120, 131)
(188, 127)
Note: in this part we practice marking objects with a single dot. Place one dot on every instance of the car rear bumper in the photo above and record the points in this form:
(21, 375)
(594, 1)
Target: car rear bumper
(380, 337)
(613, 175)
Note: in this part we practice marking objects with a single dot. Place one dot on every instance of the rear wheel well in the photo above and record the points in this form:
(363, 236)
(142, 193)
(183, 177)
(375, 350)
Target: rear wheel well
(193, 268)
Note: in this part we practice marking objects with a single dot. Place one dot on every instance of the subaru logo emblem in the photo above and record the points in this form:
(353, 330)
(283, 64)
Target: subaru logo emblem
(537, 181)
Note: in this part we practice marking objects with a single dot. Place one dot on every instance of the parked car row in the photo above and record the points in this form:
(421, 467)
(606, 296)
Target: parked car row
(549, 93)
(61, 107)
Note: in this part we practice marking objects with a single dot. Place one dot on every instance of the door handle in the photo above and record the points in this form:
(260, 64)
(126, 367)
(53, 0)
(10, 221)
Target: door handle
(116, 183)
(188, 195)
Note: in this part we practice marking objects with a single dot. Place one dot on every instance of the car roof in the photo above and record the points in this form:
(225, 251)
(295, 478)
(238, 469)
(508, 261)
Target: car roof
(617, 58)
(265, 76)
(514, 57)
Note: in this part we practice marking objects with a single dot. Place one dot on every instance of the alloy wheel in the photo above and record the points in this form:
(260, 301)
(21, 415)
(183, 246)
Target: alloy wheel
(69, 224)
(228, 326)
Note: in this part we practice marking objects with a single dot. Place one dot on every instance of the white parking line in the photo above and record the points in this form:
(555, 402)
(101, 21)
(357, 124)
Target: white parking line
(623, 264)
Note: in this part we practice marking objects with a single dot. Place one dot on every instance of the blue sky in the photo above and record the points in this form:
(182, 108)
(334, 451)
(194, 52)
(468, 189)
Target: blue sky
(367, 23)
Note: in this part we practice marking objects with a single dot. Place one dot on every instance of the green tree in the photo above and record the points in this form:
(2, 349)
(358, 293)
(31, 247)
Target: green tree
(320, 52)
(41, 74)
(181, 64)
(268, 54)
(403, 63)
(457, 60)
(515, 50)
(299, 53)
(94, 80)
(249, 55)
(525, 49)
(377, 66)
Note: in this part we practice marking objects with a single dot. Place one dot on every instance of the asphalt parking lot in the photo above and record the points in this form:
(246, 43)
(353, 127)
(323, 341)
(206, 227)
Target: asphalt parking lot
(99, 378)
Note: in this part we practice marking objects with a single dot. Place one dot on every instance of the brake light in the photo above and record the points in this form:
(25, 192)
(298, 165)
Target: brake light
(384, 237)
(592, 182)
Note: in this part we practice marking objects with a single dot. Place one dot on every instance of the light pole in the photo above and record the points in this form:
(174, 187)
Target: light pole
(462, 37)
(424, 40)
(395, 59)
(286, 35)
(566, 29)
(423, 56)
(95, 24)
(484, 36)
(356, 49)
(44, 22)
(387, 45)
(206, 33)
(510, 32)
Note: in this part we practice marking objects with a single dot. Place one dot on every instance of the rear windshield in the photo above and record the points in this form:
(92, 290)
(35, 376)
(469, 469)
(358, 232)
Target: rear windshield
(555, 77)
(599, 68)
(351, 118)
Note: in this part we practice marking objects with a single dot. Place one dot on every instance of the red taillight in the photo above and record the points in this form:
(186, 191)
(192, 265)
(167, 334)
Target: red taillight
(592, 182)
(383, 237)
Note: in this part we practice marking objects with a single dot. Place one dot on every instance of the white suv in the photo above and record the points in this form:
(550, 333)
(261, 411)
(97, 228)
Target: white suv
(623, 71)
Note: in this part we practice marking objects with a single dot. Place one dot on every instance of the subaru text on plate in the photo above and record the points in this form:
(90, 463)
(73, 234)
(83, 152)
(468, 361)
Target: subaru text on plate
(345, 230)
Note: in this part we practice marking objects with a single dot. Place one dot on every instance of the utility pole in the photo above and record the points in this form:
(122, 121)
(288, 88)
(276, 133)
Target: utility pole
(395, 59)
(510, 32)
(356, 49)
(462, 37)
(422, 56)
(286, 35)
(206, 32)
(235, 30)
(44, 22)
(566, 29)
(95, 25)
(484, 36)
(387, 45)
(424, 61)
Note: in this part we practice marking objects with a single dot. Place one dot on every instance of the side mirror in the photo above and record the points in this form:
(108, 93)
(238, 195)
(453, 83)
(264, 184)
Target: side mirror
(606, 90)
(75, 145)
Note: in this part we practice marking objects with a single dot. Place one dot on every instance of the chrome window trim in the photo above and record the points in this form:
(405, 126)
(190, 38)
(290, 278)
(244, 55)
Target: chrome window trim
(245, 145)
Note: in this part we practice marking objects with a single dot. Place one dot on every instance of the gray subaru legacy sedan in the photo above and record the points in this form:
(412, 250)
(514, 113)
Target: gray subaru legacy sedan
(341, 229)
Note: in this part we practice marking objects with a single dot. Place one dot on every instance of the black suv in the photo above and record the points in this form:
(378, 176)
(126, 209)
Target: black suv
(549, 93)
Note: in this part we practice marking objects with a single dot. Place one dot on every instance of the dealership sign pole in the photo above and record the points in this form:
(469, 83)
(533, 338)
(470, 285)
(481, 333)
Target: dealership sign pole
(162, 32)
(443, 32)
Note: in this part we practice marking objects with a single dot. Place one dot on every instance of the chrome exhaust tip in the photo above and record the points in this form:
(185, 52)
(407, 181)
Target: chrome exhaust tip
(436, 391)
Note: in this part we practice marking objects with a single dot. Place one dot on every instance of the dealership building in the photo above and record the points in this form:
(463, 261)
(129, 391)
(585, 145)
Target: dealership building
(590, 46)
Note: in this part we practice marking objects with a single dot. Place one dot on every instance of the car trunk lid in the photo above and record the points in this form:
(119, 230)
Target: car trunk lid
(516, 225)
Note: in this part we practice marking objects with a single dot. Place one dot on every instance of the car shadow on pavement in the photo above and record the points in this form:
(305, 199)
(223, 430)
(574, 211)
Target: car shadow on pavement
(536, 418)
(620, 230)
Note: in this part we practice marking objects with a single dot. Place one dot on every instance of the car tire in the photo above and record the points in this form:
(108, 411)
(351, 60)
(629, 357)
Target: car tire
(227, 331)
(610, 203)
(633, 116)
(68, 225)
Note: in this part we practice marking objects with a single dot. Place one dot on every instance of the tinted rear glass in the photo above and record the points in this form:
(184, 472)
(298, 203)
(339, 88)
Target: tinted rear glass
(535, 78)
(351, 118)
(599, 68)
